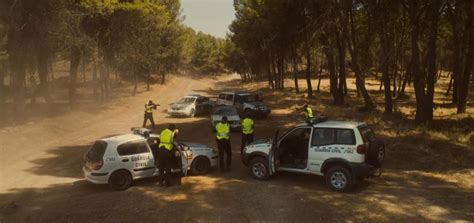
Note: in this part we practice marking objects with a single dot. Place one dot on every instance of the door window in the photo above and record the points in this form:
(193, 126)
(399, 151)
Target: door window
(345, 137)
(132, 148)
(229, 97)
(322, 137)
(296, 138)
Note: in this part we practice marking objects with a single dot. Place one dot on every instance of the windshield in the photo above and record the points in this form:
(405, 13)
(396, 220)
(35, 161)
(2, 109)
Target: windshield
(226, 111)
(97, 151)
(367, 133)
(247, 98)
(187, 100)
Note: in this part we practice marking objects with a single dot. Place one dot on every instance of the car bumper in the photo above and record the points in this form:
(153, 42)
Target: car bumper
(245, 159)
(214, 161)
(178, 113)
(95, 177)
(362, 169)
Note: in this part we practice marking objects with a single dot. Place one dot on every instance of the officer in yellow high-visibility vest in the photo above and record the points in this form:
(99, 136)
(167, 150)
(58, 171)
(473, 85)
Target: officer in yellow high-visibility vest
(247, 132)
(167, 137)
(308, 113)
(149, 113)
(223, 144)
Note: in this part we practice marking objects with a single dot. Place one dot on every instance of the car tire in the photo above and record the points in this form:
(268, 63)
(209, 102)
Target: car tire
(200, 166)
(259, 168)
(376, 156)
(120, 180)
(340, 179)
(192, 113)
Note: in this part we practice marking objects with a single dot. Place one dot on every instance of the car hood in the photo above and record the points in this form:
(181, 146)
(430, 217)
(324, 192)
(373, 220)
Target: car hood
(195, 145)
(263, 145)
(178, 106)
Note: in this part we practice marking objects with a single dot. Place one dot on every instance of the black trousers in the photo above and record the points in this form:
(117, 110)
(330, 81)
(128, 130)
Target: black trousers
(164, 165)
(223, 145)
(246, 139)
(146, 117)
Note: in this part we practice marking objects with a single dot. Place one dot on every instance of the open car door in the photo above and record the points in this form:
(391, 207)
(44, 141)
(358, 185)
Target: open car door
(273, 156)
(183, 155)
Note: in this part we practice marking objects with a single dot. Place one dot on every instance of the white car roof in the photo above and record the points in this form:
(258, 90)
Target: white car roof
(122, 139)
(335, 124)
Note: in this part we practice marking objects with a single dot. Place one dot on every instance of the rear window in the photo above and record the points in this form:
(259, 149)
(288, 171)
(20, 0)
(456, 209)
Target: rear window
(328, 136)
(229, 97)
(367, 133)
(132, 148)
(96, 152)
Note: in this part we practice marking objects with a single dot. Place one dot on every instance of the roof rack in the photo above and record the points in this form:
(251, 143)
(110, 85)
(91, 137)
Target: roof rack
(316, 120)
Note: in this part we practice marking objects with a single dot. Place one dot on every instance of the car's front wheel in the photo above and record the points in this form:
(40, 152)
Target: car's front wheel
(339, 178)
(120, 180)
(259, 168)
(192, 113)
(201, 165)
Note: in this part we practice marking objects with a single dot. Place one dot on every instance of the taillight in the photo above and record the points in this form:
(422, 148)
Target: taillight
(362, 149)
(97, 165)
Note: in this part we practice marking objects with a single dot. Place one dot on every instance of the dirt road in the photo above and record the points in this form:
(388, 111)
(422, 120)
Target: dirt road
(41, 178)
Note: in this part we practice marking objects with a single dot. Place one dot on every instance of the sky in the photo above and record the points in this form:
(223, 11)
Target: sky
(209, 16)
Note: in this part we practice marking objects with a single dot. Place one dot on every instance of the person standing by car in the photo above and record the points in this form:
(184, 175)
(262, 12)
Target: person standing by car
(308, 113)
(166, 156)
(247, 132)
(149, 113)
(223, 144)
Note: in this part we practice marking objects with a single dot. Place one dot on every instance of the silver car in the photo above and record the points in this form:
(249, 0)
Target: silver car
(232, 117)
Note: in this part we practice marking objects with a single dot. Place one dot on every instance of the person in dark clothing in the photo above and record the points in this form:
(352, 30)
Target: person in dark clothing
(223, 144)
(247, 132)
(149, 113)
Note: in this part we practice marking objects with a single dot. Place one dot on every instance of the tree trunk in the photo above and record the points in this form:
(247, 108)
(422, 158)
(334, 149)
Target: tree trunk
(44, 66)
(320, 73)
(308, 71)
(449, 85)
(432, 59)
(73, 70)
(342, 69)
(135, 82)
(295, 75)
(3, 92)
(468, 40)
(331, 65)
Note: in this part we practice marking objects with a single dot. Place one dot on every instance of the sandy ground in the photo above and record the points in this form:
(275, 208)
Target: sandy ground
(41, 178)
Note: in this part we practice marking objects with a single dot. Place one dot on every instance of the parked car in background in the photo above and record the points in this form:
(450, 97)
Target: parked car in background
(230, 112)
(190, 106)
(245, 103)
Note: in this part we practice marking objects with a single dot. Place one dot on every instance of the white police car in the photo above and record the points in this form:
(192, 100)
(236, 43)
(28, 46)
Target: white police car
(343, 152)
(119, 160)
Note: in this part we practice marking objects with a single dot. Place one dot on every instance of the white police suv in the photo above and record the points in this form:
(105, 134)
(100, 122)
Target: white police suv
(119, 160)
(344, 152)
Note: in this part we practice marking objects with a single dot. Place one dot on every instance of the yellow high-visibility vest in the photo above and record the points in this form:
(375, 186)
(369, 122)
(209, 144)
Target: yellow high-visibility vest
(166, 139)
(223, 130)
(247, 126)
(308, 113)
(148, 108)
